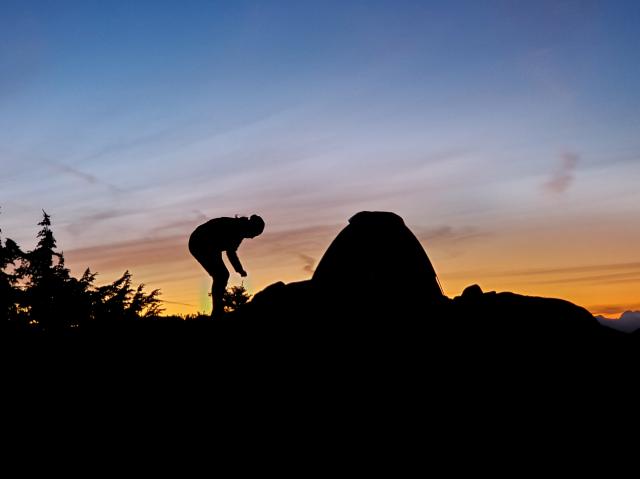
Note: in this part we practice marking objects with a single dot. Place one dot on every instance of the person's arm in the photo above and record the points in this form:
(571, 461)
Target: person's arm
(235, 262)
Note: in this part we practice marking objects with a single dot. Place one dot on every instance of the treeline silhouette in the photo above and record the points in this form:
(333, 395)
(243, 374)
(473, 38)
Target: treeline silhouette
(39, 293)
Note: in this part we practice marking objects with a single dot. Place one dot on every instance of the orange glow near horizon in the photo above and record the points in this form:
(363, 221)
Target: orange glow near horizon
(595, 271)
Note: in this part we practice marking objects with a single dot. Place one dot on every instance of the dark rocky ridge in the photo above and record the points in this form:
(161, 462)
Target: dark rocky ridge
(348, 309)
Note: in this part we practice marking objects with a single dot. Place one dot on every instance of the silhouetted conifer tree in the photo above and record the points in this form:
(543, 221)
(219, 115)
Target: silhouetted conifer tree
(46, 279)
(50, 299)
(81, 299)
(119, 300)
(145, 305)
(9, 293)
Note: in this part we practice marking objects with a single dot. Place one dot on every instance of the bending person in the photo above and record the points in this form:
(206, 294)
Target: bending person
(210, 239)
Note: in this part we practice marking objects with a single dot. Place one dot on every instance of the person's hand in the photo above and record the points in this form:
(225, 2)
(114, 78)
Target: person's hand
(242, 273)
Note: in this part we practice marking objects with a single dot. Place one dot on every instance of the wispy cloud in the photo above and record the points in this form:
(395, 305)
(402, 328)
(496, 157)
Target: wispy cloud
(629, 277)
(86, 222)
(184, 225)
(449, 234)
(587, 269)
(167, 258)
(84, 176)
(133, 254)
(563, 176)
(178, 303)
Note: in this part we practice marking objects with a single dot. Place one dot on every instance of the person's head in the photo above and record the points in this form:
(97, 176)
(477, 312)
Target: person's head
(255, 226)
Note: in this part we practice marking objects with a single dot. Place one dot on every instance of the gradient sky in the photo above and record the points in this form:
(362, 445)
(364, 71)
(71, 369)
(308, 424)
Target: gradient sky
(506, 133)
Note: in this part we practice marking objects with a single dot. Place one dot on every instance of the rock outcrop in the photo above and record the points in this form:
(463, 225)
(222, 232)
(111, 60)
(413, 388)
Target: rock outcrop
(354, 290)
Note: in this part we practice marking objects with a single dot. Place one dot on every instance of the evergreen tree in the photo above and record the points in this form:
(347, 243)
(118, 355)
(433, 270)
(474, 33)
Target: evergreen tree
(119, 300)
(9, 292)
(46, 277)
(80, 299)
(51, 299)
(143, 305)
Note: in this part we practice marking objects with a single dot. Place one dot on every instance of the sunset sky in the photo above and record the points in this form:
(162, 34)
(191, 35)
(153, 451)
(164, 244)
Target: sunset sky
(505, 133)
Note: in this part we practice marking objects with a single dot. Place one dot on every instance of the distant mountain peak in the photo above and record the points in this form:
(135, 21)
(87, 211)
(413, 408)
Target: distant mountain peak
(628, 322)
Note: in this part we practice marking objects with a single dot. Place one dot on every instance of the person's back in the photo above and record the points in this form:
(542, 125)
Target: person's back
(220, 234)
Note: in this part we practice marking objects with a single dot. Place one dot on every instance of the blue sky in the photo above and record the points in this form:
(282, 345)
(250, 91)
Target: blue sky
(131, 122)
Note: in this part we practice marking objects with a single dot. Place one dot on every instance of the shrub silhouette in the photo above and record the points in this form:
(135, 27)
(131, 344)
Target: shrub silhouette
(119, 300)
(38, 291)
(235, 298)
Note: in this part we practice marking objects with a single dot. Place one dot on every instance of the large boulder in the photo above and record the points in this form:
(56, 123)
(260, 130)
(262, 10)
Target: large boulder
(371, 258)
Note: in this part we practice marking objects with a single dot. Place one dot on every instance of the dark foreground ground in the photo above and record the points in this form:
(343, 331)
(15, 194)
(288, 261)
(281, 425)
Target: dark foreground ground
(453, 368)
(283, 325)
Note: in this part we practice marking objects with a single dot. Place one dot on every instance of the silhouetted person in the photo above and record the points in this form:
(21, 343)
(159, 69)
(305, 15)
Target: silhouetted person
(210, 239)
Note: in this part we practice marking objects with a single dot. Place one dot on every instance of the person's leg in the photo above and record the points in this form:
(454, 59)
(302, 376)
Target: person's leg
(213, 264)
(220, 278)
